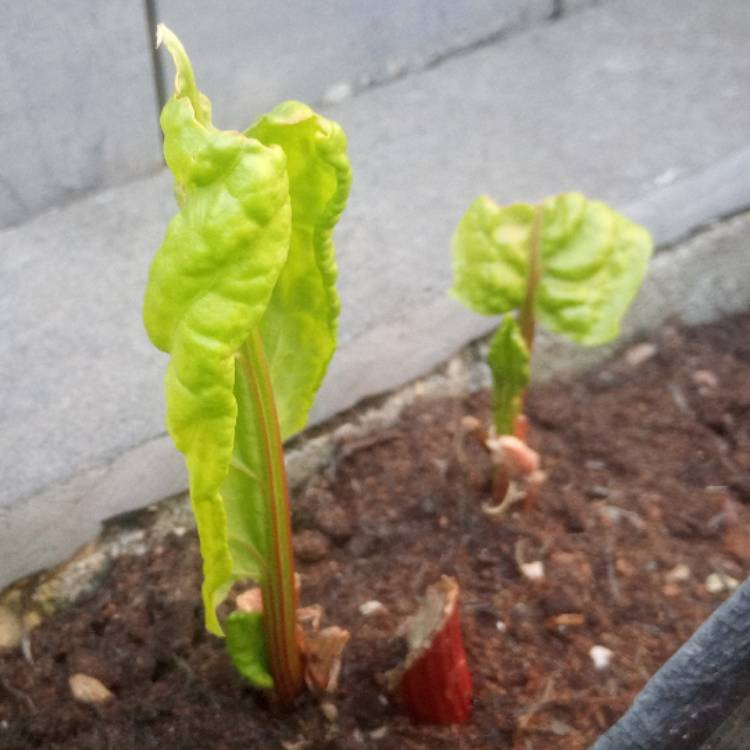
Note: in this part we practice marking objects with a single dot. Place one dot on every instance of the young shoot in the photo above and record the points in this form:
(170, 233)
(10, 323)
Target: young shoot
(241, 295)
(570, 264)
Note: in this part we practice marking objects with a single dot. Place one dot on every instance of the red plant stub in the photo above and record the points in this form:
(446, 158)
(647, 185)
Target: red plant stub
(433, 684)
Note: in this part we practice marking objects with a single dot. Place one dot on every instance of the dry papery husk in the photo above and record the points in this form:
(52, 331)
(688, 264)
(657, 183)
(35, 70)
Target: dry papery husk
(517, 475)
(322, 648)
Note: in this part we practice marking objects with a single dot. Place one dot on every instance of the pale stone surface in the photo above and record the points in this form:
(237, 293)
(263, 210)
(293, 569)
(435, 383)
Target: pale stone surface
(79, 107)
(325, 51)
(621, 100)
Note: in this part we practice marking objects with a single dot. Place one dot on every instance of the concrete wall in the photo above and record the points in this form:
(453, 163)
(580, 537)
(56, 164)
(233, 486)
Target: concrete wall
(77, 102)
(80, 88)
(324, 51)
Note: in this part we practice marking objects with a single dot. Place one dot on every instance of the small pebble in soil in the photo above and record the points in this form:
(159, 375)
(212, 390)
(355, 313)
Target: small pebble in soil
(372, 607)
(87, 689)
(640, 353)
(560, 728)
(601, 656)
(534, 571)
(379, 734)
(310, 546)
(330, 711)
(706, 379)
(716, 583)
(678, 574)
(11, 629)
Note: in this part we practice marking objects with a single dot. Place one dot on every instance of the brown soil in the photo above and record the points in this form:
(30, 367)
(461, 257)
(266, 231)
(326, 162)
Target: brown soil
(649, 468)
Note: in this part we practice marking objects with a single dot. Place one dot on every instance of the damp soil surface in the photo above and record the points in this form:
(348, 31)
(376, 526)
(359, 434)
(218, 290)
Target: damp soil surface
(641, 528)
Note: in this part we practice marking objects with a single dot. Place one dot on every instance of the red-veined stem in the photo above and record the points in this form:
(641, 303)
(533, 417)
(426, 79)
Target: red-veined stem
(279, 592)
(526, 317)
(527, 324)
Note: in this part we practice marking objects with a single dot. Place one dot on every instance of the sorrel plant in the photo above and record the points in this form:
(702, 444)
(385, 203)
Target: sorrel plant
(242, 296)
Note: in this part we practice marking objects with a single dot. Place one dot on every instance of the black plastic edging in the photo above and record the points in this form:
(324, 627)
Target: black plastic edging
(686, 701)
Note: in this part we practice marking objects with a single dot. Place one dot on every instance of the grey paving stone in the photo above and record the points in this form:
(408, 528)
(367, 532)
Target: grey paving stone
(79, 108)
(642, 104)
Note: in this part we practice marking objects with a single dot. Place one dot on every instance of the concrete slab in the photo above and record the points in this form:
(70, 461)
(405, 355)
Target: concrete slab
(79, 109)
(643, 104)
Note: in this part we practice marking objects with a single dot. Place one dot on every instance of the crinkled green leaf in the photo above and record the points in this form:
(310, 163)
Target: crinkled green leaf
(508, 358)
(300, 323)
(250, 249)
(247, 647)
(490, 256)
(209, 285)
(592, 260)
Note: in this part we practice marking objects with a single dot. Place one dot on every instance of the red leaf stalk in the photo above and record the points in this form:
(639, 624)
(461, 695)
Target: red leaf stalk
(433, 684)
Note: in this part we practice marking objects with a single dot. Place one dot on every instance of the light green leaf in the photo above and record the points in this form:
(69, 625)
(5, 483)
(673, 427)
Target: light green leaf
(247, 209)
(490, 256)
(247, 647)
(299, 326)
(209, 285)
(592, 263)
(509, 359)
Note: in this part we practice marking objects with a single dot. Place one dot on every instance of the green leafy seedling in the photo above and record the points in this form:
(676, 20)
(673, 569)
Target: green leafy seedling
(572, 264)
(241, 295)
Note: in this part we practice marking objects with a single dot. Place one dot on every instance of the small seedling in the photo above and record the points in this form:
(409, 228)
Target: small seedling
(573, 265)
(242, 296)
